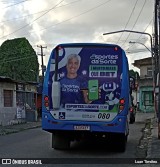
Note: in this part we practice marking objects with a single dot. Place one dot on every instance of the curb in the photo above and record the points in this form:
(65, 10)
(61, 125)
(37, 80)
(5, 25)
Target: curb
(142, 148)
(154, 144)
(17, 128)
(149, 154)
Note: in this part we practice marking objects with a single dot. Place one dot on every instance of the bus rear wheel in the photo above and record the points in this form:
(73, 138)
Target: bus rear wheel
(120, 141)
(60, 141)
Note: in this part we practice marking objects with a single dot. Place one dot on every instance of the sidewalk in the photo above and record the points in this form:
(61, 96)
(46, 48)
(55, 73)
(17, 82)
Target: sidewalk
(19, 127)
(150, 133)
(154, 144)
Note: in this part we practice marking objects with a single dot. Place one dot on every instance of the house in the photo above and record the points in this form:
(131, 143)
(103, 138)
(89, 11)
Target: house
(17, 101)
(145, 84)
(7, 100)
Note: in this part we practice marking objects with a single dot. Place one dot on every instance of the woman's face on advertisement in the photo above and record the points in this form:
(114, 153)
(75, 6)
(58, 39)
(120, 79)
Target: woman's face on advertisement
(72, 66)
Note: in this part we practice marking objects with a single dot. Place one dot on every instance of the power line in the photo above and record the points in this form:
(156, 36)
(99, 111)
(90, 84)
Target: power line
(75, 17)
(18, 18)
(91, 9)
(33, 20)
(114, 41)
(128, 20)
(141, 34)
(135, 21)
(15, 4)
(16, 59)
(15, 51)
(28, 57)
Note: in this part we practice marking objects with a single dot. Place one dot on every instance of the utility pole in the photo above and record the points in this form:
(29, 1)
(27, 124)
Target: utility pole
(156, 57)
(41, 54)
(159, 71)
(156, 60)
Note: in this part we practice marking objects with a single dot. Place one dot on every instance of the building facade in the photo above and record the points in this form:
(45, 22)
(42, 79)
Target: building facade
(145, 84)
(17, 101)
(7, 100)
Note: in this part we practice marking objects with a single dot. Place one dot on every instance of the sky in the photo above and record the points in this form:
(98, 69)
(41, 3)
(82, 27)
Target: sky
(51, 22)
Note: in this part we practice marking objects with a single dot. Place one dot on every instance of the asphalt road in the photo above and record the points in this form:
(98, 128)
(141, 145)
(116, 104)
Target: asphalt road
(36, 143)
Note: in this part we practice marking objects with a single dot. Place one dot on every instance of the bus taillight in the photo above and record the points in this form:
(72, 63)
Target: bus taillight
(121, 104)
(46, 102)
(121, 101)
(46, 98)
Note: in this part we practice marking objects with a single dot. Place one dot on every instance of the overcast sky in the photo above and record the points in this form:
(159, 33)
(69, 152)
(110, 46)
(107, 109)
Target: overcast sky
(50, 22)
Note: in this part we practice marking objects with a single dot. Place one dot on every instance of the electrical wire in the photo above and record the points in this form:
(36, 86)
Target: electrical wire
(90, 10)
(22, 17)
(15, 4)
(135, 21)
(68, 20)
(140, 35)
(32, 21)
(128, 20)
(16, 59)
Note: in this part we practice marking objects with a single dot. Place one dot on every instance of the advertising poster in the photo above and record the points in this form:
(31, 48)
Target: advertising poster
(90, 80)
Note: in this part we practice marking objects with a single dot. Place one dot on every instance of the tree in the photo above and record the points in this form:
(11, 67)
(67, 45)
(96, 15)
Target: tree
(17, 59)
(134, 81)
(133, 74)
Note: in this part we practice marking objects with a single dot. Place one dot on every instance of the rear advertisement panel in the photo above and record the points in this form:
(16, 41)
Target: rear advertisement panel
(90, 80)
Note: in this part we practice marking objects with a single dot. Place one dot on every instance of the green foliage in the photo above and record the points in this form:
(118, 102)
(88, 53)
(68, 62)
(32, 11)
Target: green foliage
(17, 59)
(133, 74)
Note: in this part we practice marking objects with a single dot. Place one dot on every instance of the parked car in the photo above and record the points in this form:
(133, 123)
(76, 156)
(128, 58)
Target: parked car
(132, 117)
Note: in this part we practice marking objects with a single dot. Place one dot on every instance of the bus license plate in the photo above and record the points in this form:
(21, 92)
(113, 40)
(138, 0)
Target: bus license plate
(81, 127)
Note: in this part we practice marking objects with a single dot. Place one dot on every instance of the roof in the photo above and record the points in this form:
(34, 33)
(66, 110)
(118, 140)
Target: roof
(87, 45)
(6, 79)
(142, 62)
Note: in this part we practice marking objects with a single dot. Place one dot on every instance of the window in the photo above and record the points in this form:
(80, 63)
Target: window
(8, 98)
(148, 98)
(149, 71)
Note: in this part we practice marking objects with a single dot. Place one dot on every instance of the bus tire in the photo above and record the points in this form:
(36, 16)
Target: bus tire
(60, 141)
(119, 142)
(122, 142)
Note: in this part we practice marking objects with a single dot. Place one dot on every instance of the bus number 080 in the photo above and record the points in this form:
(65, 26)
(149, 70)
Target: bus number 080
(103, 116)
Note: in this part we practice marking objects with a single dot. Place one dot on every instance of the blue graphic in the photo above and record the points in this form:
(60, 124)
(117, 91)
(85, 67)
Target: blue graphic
(71, 90)
(88, 75)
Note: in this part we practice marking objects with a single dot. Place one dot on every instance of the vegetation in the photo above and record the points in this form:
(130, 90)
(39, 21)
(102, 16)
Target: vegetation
(17, 59)
(134, 74)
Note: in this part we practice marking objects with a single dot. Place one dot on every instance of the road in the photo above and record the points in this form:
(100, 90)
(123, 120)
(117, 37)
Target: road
(36, 143)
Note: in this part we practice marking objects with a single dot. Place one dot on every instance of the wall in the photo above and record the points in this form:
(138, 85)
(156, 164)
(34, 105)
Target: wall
(145, 87)
(7, 114)
(143, 71)
(143, 100)
(135, 97)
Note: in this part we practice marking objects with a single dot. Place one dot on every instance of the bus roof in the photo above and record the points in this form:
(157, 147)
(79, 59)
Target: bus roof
(87, 44)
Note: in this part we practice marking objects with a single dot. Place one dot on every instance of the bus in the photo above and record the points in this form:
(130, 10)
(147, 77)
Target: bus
(86, 94)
